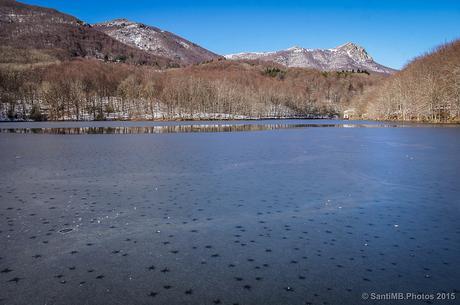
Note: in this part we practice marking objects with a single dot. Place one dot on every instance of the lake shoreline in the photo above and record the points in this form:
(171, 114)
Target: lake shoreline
(455, 123)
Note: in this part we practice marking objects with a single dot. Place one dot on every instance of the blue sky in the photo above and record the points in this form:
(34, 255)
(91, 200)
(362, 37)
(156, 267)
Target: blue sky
(392, 31)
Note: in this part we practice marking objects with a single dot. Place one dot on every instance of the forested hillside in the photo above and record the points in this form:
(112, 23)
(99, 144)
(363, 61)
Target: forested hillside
(30, 29)
(91, 89)
(427, 89)
(54, 66)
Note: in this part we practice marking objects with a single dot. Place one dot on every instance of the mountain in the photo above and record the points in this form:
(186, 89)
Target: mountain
(345, 57)
(31, 27)
(156, 41)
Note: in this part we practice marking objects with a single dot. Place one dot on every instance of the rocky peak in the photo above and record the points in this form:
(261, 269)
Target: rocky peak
(356, 52)
(120, 23)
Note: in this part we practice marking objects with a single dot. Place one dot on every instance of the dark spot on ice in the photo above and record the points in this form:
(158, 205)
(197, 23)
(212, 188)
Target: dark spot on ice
(15, 279)
(66, 230)
(6, 270)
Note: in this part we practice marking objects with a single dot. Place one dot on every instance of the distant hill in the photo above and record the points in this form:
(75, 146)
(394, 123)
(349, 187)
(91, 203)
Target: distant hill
(347, 57)
(156, 41)
(427, 89)
(30, 27)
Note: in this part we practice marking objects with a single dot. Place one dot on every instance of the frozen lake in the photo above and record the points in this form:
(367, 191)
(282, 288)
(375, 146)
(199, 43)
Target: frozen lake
(255, 212)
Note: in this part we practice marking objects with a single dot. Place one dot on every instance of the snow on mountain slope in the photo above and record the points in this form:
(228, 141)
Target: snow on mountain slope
(345, 57)
(156, 41)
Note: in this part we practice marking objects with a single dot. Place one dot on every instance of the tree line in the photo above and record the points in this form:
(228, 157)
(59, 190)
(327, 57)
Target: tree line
(86, 89)
(427, 89)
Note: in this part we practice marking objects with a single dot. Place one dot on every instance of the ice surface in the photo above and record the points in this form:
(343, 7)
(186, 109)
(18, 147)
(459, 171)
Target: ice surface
(284, 216)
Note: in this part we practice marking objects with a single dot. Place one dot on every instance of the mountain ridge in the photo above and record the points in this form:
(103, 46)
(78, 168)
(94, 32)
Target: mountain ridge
(28, 27)
(156, 41)
(348, 56)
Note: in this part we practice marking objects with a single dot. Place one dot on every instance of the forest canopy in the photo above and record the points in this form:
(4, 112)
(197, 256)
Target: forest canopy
(88, 89)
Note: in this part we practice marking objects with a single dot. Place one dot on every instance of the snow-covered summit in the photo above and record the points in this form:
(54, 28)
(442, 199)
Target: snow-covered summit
(356, 52)
(348, 56)
(155, 41)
